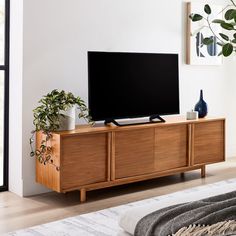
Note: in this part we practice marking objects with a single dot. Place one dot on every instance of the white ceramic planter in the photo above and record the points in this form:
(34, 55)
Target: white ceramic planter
(68, 121)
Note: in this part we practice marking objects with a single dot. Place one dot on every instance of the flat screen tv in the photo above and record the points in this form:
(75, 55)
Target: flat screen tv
(131, 85)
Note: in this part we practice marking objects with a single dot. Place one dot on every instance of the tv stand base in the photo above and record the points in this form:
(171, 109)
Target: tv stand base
(99, 157)
(152, 119)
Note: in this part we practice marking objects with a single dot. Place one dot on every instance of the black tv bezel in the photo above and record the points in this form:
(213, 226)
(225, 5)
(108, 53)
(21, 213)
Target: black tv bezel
(135, 116)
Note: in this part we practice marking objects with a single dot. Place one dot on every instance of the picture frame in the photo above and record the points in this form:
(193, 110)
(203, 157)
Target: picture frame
(197, 52)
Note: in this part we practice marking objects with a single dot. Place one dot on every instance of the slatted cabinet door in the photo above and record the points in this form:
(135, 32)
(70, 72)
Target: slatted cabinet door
(134, 152)
(171, 147)
(208, 142)
(84, 160)
(98, 157)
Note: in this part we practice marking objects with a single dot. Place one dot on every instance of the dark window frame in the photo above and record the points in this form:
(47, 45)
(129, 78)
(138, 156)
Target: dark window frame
(5, 68)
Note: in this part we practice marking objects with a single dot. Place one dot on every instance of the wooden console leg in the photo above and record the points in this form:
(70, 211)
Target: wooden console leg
(203, 171)
(82, 195)
(182, 175)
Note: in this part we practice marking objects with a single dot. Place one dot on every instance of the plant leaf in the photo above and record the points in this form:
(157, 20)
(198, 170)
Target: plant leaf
(207, 41)
(223, 36)
(227, 26)
(230, 14)
(227, 49)
(207, 9)
(195, 17)
(218, 21)
(233, 41)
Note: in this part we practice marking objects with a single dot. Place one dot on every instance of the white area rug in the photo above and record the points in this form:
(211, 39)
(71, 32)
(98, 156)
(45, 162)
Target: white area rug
(104, 222)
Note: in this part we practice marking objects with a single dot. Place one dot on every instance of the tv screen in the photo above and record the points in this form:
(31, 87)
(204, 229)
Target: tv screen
(129, 85)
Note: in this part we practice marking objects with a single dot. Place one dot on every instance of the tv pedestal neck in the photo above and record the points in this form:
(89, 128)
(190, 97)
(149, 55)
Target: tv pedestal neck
(152, 119)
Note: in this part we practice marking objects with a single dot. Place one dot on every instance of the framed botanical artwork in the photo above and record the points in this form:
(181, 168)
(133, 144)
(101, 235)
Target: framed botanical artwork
(199, 53)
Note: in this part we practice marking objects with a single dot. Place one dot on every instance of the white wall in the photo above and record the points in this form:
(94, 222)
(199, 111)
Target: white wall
(58, 33)
(229, 104)
(15, 121)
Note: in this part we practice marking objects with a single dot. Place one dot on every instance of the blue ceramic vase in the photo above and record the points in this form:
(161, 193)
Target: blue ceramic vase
(201, 106)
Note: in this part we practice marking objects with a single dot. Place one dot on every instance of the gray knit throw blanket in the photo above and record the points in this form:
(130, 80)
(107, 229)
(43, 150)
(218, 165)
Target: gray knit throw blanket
(204, 217)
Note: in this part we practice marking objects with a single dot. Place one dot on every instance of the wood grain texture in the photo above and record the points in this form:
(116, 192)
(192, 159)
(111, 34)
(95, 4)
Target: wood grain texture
(209, 142)
(133, 179)
(203, 171)
(171, 147)
(47, 174)
(82, 195)
(101, 128)
(99, 157)
(134, 152)
(84, 160)
(109, 154)
(113, 162)
(189, 144)
(192, 144)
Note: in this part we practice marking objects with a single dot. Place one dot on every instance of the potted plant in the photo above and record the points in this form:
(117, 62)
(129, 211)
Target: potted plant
(51, 115)
(226, 40)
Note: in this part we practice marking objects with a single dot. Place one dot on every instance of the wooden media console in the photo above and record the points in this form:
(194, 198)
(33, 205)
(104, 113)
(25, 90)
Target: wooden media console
(97, 157)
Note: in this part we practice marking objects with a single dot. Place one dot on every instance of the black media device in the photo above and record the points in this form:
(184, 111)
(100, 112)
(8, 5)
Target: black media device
(131, 85)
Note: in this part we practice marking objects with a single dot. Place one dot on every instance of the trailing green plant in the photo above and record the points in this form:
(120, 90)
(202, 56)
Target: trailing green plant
(47, 119)
(226, 40)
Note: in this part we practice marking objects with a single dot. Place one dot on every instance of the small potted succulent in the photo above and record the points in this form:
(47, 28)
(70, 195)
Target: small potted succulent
(55, 112)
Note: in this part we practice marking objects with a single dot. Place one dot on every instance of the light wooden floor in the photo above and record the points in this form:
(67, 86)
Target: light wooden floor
(17, 213)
